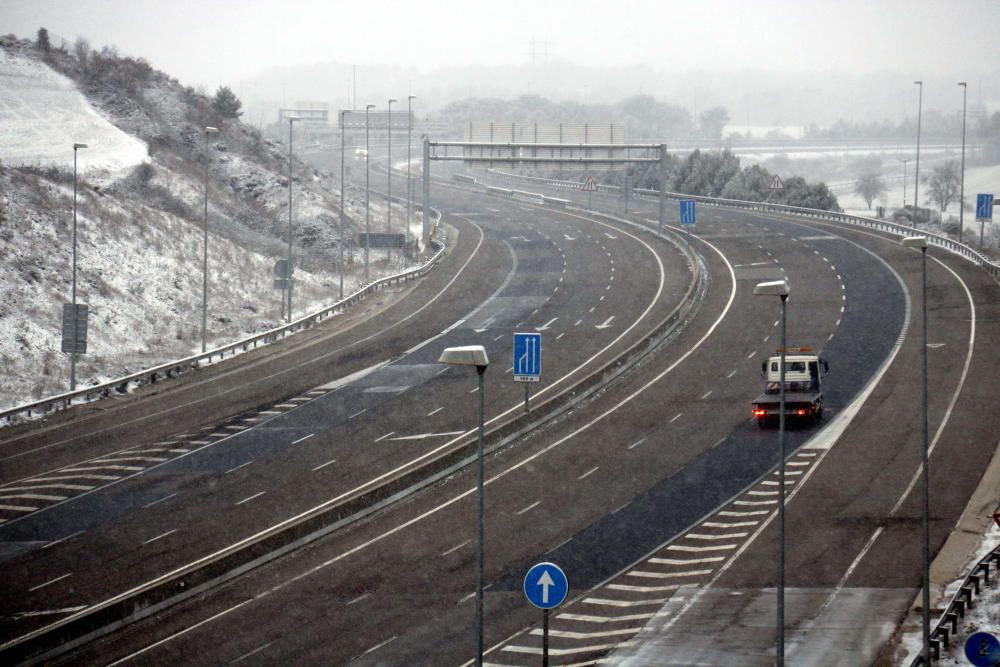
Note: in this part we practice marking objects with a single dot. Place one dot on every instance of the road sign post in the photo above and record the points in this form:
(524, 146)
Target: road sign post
(527, 362)
(984, 213)
(546, 587)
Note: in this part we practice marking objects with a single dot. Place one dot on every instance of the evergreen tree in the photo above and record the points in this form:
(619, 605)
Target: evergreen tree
(43, 40)
(226, 103)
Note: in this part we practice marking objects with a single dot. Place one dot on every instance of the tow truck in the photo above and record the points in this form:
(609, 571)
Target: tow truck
(804, 371)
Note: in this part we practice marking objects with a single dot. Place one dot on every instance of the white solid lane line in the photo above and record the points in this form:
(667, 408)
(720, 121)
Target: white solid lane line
(529, 507)
(103, 478)
(686, 561)
(49, 582)
(424, 436)
(32, 496)
(158, 501)
(381, 438)
(249, 498)
(159, 537)
(18, 508)
(455, 548)
(242, 465)
(62, 539)
(253, 652)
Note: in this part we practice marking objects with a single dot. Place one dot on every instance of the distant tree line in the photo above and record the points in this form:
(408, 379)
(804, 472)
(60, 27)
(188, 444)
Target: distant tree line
(719, 174)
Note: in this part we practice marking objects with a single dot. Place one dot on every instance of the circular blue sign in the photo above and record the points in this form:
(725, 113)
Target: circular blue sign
(983, 650)
(546, 585)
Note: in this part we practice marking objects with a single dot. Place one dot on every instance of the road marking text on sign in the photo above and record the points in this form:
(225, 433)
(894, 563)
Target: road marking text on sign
(546, 585)
(527, 357)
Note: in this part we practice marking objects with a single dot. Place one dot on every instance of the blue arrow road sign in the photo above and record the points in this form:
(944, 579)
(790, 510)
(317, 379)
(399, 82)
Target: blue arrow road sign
(982, 649)
(546, 585)
(527, 357)
(984, 208)
(687, 212)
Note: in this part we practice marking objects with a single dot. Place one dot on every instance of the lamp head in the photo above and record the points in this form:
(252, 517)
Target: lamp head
(914, 242)
(919, 83)
(211, 130)
(369, 106)
(411, 97)
(75, 146)
(393, 101)
(963, 84)
(772, 288)
(466, 355)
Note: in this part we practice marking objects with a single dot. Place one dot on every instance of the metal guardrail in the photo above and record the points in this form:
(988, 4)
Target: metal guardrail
(123, 384)
(963, 600)
(880, 225)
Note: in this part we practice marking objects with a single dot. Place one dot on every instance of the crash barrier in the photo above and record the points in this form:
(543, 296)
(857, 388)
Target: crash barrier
(835, 216)
(963, 600)
(171, 369)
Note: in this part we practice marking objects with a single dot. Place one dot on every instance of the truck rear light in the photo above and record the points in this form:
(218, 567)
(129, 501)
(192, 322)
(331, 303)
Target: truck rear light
(802, 413)
(759, 413)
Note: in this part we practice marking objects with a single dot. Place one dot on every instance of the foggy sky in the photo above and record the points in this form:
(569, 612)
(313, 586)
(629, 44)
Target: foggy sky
(213, 42)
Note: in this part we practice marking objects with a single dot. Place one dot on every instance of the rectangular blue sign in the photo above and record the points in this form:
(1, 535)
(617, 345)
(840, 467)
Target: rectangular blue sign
(984, 208)
(687, 212)
(527, 357)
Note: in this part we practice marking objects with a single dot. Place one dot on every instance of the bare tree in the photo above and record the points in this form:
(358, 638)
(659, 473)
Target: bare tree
(943, 184)
(869, 187)
(82, 50)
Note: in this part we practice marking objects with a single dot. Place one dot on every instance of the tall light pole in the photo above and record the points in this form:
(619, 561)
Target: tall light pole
(388, 215)
(904, 161)
(209, 131)
(961, 195)
(343, 188)
(288, 271)
(916, 178)
(475, 355)
(779, 288)
(72, 355)
(409, 183)
(921, 243)
(368, 230)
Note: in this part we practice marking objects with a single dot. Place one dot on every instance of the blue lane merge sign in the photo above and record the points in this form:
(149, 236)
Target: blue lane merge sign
(984, 208)
(546, 585)
(527, 357)
(687, 212)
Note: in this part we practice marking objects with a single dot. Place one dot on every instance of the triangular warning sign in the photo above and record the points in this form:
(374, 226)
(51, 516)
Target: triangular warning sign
(589, 185)
(776, 183)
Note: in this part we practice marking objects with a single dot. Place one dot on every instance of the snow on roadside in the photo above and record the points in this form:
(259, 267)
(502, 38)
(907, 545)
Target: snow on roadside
(984, 616)
(42, 114)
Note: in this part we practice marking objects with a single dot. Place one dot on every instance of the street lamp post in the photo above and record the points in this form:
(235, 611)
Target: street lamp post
(921, 243)
(368, 230)
(904, 161)
(289, 270)
(475, 355)
(779, 288)
(209, 131)
(343, 187)
(961, 194)
(409, 182)
(916, 178)
(72, 355)
(388, 203)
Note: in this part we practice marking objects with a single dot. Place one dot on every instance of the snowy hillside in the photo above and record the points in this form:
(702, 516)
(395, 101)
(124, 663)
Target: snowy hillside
(140, 221)
(42, 114)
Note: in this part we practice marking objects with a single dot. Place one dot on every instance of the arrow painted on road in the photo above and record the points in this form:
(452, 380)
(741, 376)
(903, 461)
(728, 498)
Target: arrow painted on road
(569, 238)
(935, 346)
(545, 581)
(610, 236)
(546, 325)
(606, 324)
